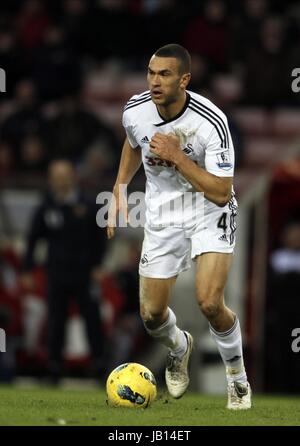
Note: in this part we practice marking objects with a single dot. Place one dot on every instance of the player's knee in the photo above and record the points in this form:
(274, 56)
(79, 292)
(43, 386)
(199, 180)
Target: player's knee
(211, 309)
(144, 313)
(210, 300)
(150, 316)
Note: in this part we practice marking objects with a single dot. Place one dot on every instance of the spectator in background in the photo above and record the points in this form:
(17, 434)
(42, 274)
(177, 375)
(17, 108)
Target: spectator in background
(282, 312)
(56, 67)
(76, 18)
(246, 27)
(98, 165)
(10, 311)
(267, 76)
(23, 126)
(202, 75)
(74, 129)
(11, 58)
(226, 91)
(31, 23)
(33, 155)
(208, 35)
(67, 221)
(169, 17)
(6, 161)
(103, 42)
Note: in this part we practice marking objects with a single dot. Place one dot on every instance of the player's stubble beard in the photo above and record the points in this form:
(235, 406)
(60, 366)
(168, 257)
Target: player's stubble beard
(167, 100)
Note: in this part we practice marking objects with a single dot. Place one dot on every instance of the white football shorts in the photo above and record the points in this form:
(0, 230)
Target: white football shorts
(167, 251)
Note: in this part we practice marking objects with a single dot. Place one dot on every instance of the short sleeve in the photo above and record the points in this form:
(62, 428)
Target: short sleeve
(129, 130)
(219, 152)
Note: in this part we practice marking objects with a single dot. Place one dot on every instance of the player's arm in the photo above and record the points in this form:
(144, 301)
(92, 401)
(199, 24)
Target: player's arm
(215, 189)
(130, 162)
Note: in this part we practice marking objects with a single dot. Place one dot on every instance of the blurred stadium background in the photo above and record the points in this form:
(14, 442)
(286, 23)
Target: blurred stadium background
(70, 66)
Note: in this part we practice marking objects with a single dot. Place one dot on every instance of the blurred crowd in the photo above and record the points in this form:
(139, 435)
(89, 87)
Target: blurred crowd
(282, 304)
(48, 48)
(47, 319)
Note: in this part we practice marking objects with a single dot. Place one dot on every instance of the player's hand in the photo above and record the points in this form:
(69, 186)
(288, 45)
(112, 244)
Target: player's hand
(166, 147)
(118, 206)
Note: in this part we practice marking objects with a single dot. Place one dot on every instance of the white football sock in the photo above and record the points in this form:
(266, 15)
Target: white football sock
(230, 347)
(170, 335)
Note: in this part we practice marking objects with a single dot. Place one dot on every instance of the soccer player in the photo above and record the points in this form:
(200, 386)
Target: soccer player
(184, 143)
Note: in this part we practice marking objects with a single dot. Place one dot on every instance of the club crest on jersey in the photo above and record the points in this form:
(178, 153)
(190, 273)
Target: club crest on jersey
(224, 160)
(144, 260)
(188, 150)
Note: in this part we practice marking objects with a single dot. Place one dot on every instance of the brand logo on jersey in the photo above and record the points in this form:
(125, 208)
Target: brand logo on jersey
(223, 238)
(145, 140)
(224, 160)
(188, 149)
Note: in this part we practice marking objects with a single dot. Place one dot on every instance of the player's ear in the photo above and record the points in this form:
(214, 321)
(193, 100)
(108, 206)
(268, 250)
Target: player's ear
(185, 79)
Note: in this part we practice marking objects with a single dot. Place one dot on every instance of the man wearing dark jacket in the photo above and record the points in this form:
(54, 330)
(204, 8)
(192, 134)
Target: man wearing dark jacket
(67, 221)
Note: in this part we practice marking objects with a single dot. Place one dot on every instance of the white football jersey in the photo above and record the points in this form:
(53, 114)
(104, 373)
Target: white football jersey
(204, 137)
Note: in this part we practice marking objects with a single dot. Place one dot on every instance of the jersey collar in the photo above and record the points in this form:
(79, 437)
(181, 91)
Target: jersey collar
(166, 121)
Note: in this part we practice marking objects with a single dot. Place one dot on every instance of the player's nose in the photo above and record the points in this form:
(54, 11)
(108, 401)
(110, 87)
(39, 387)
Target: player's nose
(155, 81)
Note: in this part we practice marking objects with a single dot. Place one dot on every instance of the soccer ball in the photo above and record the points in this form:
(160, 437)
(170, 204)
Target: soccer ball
(131, 385)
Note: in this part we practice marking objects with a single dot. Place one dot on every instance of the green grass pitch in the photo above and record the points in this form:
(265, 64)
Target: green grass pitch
(43, 406)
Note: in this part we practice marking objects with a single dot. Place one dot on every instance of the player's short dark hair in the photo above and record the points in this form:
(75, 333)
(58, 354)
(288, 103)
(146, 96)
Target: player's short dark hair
(179, 52)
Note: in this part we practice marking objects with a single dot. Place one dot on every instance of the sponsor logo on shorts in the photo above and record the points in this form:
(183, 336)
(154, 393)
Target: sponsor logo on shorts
(223, 238)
